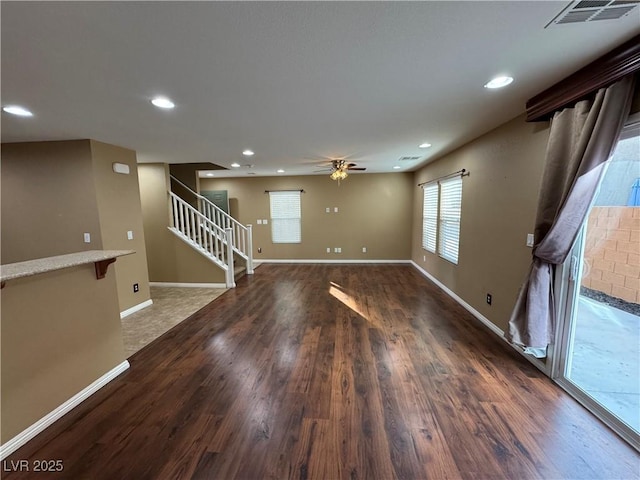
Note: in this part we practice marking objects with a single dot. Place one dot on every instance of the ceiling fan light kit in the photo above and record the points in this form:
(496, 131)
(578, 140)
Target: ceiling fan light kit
(339, 169)
(339, 174)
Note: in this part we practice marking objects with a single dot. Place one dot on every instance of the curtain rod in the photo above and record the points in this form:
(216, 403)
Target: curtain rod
(288, 190)
(462, 173)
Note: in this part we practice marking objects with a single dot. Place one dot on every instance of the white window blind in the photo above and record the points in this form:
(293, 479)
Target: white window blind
(429, 217)
(449, 224)
(285, 217)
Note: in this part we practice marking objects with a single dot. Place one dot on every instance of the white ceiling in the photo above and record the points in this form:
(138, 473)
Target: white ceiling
(293, 81)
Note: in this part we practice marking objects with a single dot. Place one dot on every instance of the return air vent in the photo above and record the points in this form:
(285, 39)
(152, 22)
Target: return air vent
(592, 10)
(409, 159)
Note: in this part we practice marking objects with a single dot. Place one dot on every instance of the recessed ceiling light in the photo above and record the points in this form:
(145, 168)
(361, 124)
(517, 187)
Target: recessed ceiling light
(163, 102)
(397, 167)
(499, 82)
(248, 153)
(16, 110)
(280, 170)
(209, 175)
(424, 145)
(235, 165)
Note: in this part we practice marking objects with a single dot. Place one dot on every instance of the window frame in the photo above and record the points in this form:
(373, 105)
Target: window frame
(445, 227)
(281, 233)
(449, 218)
(431, 201)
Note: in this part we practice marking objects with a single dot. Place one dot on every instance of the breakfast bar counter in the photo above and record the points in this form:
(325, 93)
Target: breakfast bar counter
(61, 338)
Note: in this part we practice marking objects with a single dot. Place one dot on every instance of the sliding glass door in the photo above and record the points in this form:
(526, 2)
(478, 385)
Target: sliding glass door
(598, 354)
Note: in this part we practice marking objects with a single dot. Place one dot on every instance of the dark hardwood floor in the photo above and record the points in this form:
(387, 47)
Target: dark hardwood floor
(330, 372)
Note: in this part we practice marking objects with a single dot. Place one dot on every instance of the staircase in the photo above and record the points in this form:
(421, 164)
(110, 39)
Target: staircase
(213, 233)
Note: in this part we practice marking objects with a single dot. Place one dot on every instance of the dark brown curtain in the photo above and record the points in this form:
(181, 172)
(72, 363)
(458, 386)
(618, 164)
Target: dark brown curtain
(581, 140)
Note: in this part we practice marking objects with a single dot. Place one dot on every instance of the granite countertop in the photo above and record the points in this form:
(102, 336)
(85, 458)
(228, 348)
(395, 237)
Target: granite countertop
(11, 271)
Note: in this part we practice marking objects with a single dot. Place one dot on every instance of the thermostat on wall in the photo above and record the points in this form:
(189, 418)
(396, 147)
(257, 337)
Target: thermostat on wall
(121, 168)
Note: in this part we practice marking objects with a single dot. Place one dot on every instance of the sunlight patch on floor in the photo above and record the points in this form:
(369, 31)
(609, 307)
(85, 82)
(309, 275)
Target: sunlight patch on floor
(337, 292)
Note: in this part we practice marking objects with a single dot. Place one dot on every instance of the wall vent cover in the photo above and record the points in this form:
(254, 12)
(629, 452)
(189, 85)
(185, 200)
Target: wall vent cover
(409, 159)
(594, 10)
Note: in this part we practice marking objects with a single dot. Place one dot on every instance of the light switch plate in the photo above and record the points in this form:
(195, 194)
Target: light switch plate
(529, 239)
(129, 234)
(265, 221)
(364, 249)
(335, 209)
(87, 238)
(259, 221)
(327, 210)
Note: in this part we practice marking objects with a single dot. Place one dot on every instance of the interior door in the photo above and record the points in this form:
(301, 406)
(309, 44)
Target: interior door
(220, 198)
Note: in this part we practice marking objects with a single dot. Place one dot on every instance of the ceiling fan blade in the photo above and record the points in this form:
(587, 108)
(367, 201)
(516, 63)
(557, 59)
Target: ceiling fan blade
(356, 168)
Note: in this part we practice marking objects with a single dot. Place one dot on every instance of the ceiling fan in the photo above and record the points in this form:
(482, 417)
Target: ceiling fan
(340, 167)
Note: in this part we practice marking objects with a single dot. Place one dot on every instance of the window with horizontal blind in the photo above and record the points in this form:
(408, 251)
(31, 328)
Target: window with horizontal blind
(449, 218)
(429, 217)
(285, 216)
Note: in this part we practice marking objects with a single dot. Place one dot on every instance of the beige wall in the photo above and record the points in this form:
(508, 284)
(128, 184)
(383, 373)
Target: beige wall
(118, 198)
(169, 258)
(374, 211)
(48, 200)
(60, 333)
(187, 173)
(499, 200)
(54, 192)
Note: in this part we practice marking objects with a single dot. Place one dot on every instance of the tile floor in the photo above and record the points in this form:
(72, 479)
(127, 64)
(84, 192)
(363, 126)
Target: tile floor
(170, 306)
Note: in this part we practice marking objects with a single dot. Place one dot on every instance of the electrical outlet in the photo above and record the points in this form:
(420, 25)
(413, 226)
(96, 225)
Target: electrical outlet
(129, 234)
(328, 249)
(424, 258)
(339, 249)
(136, 288)
(259, 221)
(87, 238)
(489, 298)
(335, 250)
(265, 221)
(364, 249)
(327, 210)
(335, 209)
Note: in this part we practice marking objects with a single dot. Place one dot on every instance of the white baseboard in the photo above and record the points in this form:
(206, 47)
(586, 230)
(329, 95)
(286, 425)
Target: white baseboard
(315, 260)
(462, 303)
(23, 437)
(188, 285)
(488, 323)
(136, 308)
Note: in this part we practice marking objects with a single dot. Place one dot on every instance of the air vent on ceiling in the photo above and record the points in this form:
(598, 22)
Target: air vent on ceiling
(409, 159)
(593, 10)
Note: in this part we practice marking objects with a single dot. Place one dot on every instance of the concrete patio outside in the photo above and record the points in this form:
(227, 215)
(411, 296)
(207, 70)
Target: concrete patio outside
(606, 358)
